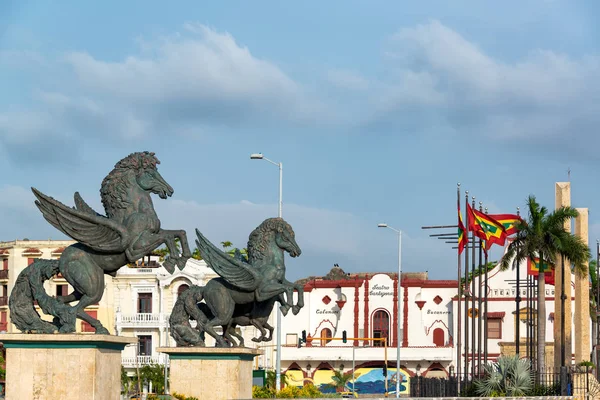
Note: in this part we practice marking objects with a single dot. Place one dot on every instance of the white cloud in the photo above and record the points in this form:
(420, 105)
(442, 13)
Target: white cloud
(442, 74)
(188, 83)
(346, 79)
(198, 74)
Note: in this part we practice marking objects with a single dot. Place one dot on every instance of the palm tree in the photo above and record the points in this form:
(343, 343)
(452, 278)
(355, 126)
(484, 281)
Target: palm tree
(543, 235)
(509, 376)
(270, 380)
(339, 380)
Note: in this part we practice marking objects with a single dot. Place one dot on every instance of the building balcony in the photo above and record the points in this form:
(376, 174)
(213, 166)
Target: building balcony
(130, 362)
(3, 274)
(142, 320)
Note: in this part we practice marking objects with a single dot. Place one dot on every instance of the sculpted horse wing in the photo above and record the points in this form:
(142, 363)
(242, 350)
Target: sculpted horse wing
(238, 273)
(81, 205)
(83, 224)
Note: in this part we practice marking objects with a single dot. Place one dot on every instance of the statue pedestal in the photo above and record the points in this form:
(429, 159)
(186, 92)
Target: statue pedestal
(211, 372)
(63, 366)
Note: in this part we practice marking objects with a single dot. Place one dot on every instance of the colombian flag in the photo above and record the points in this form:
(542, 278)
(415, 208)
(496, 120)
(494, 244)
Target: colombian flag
(486, 227)
(508, 221)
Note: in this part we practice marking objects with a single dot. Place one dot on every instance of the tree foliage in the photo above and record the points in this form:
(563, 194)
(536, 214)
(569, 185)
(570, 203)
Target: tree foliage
(543, 236)
(155, 374)
(339, 379)
(510, 376)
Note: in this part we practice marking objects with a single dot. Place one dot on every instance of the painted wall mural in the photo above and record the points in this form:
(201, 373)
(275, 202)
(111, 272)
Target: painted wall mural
(369, 380)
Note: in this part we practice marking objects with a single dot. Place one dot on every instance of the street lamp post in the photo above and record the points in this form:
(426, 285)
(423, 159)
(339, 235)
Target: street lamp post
(259, 156)
(398, 342)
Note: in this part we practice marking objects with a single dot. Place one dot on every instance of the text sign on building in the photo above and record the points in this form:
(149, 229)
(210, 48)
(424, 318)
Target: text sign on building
(378, 290)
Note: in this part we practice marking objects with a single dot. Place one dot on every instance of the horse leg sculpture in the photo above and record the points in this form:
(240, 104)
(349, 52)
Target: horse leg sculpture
(88, 279)
(221, 306)
(263, 333)
(182, 236)
(300, 303)
(272, 289)
(149, 241)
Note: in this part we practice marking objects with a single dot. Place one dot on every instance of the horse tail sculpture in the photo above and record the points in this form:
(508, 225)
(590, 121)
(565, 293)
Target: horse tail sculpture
(28, 288)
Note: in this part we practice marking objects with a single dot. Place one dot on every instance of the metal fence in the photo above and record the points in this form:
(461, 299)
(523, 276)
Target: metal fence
(578, 381)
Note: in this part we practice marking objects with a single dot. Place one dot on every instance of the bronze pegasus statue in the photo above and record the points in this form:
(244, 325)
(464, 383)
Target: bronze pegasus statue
(245, 292)
(129, 230)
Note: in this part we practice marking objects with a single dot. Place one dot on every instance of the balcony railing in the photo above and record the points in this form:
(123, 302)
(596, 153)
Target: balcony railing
(3, 300)
(141, 319)
(142, 360)
(4, 274)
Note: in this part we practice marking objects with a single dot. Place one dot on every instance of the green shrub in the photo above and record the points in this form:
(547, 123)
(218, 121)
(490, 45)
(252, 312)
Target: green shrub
(310, 391)
(262, 392)
(509, 376)
(289, 392)
(545, 390)
(180, 396)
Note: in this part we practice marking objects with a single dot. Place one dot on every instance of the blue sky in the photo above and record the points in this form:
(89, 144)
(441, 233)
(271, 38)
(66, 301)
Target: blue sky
(376, 109)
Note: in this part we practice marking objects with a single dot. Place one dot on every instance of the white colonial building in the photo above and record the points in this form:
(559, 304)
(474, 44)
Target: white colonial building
(366, 306)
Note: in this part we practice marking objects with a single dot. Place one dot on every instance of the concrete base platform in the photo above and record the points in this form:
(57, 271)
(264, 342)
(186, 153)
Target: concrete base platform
(63, 366)
(211, 373)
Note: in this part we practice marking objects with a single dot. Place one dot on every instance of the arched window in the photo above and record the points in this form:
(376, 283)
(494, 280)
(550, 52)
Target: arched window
(381, 327)
(438, 337)
(182, 289)
(325, 336)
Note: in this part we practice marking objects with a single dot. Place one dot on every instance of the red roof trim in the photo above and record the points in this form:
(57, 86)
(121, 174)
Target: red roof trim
(429, 283)
(309, 286)
(32, 250)
(5, 251)
(59, 250)
(496, 314)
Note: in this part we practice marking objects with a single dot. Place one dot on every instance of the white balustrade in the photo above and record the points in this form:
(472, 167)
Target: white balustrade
(130, 362)
(142, 319)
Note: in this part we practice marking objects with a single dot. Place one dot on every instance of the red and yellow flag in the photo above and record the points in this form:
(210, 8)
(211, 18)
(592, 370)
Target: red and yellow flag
(508, 221)
(533, 267)
(486, 227)
(462, 233)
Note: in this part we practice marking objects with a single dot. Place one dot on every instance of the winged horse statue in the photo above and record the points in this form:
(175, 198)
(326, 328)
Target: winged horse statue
(129, 230)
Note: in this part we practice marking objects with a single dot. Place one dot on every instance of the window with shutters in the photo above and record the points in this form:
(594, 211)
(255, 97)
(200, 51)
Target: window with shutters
(85, 327)
(145, 303)
(145, 345)
(381, 327)
(494, 328)
(62, 290)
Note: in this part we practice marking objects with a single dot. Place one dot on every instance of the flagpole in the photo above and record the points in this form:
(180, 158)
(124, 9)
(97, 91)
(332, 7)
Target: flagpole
(479, 311)
(473, 349)
(485, 321)
(518, 304)
(459, 316)
(466, 287)
(529, 313)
